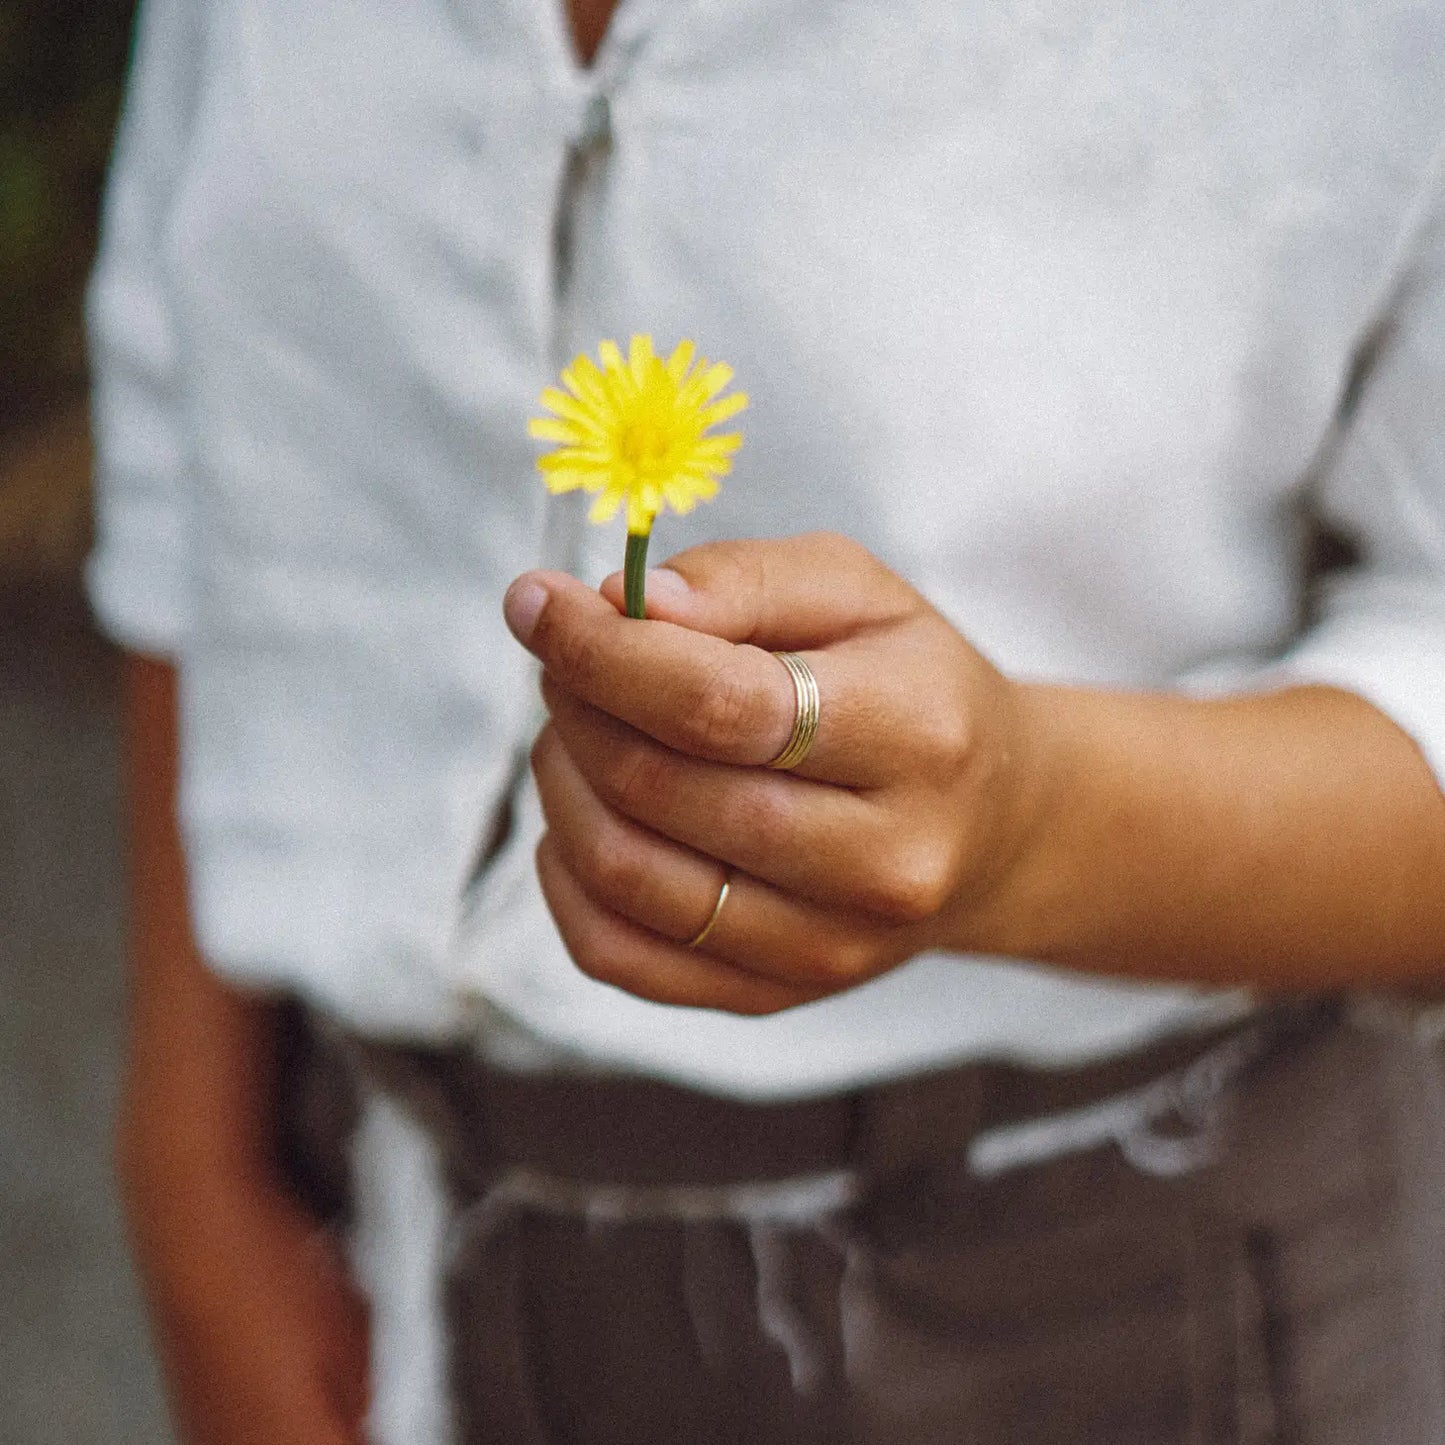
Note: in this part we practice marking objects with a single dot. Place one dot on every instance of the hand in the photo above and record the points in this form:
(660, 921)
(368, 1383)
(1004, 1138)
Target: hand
(908, 811)
(261, 1333)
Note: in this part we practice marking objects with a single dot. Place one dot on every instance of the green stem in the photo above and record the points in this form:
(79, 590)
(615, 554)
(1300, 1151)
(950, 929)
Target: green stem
(634, 574)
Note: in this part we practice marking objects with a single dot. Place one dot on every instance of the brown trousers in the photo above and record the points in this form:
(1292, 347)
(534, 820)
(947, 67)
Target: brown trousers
(1239, 1240)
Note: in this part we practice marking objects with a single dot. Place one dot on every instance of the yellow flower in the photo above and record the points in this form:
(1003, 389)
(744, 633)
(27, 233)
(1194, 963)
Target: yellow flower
(633, 431)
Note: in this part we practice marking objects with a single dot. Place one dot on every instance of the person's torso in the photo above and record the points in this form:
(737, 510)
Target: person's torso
(1049, 304)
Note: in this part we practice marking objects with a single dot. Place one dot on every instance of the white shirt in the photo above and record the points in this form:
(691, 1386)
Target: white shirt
(1079, 315)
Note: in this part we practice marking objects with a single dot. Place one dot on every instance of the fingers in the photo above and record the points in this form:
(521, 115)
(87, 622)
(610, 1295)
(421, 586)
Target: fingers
(691, 691)
(669, 888)
(672, 891)
(778, 593)
(832, 847)
(752, 819)
(614, 951)
(726, 702)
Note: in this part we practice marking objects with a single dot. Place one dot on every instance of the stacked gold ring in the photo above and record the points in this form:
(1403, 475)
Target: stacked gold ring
(805, 719)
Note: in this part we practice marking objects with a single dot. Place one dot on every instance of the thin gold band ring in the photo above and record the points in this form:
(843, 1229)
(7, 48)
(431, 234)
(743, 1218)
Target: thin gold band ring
(716, 913)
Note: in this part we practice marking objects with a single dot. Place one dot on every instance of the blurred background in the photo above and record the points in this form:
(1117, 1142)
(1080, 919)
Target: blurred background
(75, 1365)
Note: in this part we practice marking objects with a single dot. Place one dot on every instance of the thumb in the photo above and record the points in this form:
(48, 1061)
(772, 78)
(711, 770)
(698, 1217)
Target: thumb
(785, 592)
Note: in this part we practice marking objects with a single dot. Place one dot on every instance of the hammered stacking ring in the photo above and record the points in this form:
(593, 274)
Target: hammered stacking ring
(713, 917)
(805, 719)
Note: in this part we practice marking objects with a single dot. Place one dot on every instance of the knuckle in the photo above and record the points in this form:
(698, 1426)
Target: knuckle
(946, 738)
(760, 813)
(848, 557)
(736, 564)
(726, 566)
(612, 867)
(591, 955)
(911, 886)
(633, 777)
(851, 960)
(718, 717)
(832, 961)
(844, 557)
(842, 548)
(732, 562)
(568, 650)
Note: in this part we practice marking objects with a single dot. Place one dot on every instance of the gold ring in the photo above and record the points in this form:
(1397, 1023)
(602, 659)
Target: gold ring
(805, 719)
(715, 914)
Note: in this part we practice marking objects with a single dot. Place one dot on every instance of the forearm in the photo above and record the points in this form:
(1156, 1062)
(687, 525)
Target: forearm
(200, 1060)
(258, 1328)
(1291, 840)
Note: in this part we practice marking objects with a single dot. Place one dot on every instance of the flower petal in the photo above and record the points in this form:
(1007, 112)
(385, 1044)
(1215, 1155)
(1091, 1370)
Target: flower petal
(712, 379)
(565, 481)
(604, 509)
(576, 459)
(680, 360)
(719, 446)
(547, 429)
(559, 403)
(612, 363)
(585, 381)
(720, 411)
(641, 359)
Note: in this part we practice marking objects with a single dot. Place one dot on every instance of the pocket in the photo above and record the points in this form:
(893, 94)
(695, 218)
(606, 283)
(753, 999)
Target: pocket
(1074, 1303)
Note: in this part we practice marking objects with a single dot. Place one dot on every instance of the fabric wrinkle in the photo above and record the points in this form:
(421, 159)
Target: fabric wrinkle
(373, 279)
(781, 1310)
(718, 1271)
(399, 1251)
(1167, 1128)
(772, 1216)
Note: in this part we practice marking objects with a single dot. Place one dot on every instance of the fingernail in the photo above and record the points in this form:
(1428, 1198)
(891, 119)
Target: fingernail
(522, 606)
(666, 585)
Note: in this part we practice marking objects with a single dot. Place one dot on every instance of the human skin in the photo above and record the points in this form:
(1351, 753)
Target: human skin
(588, 20)
(1289, 840)
(262, 1336)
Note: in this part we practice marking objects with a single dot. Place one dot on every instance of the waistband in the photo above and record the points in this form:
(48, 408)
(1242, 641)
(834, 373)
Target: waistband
(645, 1133)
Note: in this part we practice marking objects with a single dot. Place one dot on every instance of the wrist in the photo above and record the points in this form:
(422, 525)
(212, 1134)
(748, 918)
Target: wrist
(1287, 839)
(1007, 909)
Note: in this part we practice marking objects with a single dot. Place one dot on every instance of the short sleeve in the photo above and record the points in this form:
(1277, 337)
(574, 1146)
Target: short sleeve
(137, 571)
(1378, 626)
